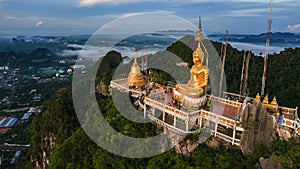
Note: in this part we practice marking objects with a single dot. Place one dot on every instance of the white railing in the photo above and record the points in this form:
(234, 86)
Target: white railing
(234, 94)
(290, 123)
(286, 110)
(225, 137)
(226, 101)
(160, 122)
(115, 84)
(184, 115)
(220, 119)
(168, 109)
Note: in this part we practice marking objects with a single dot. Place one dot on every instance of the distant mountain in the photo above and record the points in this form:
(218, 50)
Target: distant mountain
(42, 53)
(176, 31)
(6, 57)
(230, 35)
(143, 41)
(277, 37)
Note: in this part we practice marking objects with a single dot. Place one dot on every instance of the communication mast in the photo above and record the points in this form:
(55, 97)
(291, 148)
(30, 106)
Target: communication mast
(244, 77)
(267, 49)
(224, 51)
(144, 63)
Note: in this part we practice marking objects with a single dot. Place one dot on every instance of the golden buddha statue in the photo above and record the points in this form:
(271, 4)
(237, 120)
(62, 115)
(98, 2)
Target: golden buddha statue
(274, 101)
(257, 98)
(196, 86)
(273, 106)
(266, 100)
(135, 77)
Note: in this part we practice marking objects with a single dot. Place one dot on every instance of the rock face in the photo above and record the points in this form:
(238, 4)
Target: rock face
(102, 88)
(259, 127)
(49, 145)
(269, 163)
(185, 147)
(216, 142)
(285, 134)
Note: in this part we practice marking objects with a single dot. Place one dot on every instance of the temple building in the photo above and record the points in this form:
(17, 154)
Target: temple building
(187, 108)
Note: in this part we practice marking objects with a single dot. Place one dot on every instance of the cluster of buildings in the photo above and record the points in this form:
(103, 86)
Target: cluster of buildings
(7, 123)
(8, 77)
(57, 73)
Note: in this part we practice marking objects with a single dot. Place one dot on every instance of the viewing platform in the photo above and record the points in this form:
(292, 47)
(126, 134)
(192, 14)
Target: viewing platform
(221, 117)
(159, 107)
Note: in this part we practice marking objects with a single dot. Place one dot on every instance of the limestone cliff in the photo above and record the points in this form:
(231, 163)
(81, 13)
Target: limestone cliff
(269, 163)
(259, 127)
(47, 147)
(186, 147)
(102, 89)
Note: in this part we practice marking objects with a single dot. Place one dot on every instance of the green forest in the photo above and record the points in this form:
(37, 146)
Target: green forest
(57, 135)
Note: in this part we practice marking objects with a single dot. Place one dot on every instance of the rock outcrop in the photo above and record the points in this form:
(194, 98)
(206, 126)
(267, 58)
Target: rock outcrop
(285, 134)
(185, 148)
(102, 88)
(259, 127)
(216, 142)
(269, 163)
(47, 149)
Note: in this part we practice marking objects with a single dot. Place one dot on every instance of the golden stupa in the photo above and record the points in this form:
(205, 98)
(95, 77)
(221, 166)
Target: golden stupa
(196, 86)
(135, 77)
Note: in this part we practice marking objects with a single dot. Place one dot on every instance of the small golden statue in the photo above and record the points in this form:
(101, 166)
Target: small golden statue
(266, 100)
(274, 101)
(257, 98)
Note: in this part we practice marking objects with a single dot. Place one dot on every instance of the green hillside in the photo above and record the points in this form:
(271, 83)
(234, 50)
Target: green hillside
(56, 134)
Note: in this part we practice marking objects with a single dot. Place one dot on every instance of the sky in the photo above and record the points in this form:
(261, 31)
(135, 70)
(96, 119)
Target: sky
(74, 17)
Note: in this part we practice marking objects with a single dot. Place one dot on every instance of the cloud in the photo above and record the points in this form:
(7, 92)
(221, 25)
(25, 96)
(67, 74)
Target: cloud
(251, 12)
(89, 3)
(39, 23)
(96, 52)
(294, 28)
(18, 18)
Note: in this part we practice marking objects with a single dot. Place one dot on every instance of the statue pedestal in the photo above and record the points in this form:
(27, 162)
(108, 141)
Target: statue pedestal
(190, 103)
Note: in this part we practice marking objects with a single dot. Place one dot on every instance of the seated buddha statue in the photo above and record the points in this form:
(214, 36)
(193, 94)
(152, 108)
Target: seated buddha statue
(196, 86)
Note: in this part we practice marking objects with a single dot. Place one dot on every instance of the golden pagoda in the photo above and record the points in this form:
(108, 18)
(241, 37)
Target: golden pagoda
(135, 77)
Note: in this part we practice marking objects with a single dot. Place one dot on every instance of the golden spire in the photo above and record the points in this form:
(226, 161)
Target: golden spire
(134, 50)
(199, 36)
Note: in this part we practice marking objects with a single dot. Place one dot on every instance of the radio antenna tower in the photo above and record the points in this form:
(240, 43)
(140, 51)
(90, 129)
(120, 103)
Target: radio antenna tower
(223, 57)
(263, 85)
